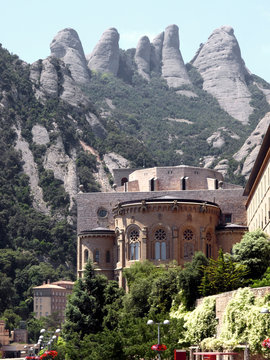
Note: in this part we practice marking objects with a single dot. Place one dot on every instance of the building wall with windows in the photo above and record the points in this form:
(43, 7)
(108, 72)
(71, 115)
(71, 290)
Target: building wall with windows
(174, 212)
(258, 190)
(52, 298)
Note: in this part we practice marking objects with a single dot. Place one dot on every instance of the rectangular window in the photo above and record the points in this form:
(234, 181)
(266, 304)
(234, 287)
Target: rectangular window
(228, 218)
(183, 183)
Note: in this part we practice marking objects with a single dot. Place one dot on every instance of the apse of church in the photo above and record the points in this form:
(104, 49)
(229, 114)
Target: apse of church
(161, 215)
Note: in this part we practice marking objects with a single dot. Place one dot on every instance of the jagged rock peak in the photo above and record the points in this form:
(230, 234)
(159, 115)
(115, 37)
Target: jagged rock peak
(173, 67)
(223, 70)
(142, 57)
(67, 46)
(105, 56)
(156, 52)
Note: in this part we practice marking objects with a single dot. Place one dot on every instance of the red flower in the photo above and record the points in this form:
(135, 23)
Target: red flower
(159, 347)
(266, 343)
(49, 355)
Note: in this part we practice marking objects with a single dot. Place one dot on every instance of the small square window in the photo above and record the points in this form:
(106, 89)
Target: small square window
(228, 218)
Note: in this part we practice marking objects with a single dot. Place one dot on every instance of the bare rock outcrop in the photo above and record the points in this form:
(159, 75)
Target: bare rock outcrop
(173, 67)
(44, 73)
(51, 77)
(223, 70)
(142, 57)
(96, 125)
(217, 139)
(67, 46)
(40, 135)
(251, 147)
(63, 167)
(222, 167)
(156, 52)
(30, 169)
(116, 161)
(105, 56)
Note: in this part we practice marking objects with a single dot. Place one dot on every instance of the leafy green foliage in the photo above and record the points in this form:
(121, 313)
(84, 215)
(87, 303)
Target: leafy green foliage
(201, 323)
(138, 114)
(263, 281)
(54, 194)
(151, 289)
(222, 275)
(190, 279)
(86, 165)
(243, 322)
(253, 252)
(259, 103)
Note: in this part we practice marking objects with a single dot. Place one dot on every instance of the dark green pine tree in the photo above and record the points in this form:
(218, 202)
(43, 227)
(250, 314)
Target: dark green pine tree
(222, 275)
(84, 312)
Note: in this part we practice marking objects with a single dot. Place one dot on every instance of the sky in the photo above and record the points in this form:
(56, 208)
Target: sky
(27, 27)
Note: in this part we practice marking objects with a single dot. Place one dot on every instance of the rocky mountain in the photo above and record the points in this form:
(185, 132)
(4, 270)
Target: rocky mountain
(224, 73)
(143, 106)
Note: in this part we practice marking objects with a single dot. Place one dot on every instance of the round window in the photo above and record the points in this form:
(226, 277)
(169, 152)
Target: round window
(134, 235)
(160, 235)
(102, 213)
(188, 234)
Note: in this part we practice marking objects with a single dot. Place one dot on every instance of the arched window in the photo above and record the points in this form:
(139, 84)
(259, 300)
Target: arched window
(134, 244)
(123, 181)
(160, 245)
(96, 256)
(188, 237)
(86, 255)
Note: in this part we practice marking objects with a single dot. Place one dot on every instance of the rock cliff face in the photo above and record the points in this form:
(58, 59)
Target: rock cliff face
(251, 147)
(67, 46)
(173, 68)
(105, 56)
(142, 57)
(31, 170)
(63, 167)
(156, 52)
(223, 70)
(52, 78)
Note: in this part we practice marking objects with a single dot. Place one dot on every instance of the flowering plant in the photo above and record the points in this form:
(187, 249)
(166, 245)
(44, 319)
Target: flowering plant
(49, 355)
(266, 343)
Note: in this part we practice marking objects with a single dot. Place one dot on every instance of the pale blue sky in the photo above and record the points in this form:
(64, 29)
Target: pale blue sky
(28, 26)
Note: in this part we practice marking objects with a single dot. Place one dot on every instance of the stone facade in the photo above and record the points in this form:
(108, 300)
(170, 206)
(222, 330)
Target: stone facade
(52, 298)
(158, 214)
(258, 189)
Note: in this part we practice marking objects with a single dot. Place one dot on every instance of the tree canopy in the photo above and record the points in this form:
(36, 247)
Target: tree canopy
(254, 252)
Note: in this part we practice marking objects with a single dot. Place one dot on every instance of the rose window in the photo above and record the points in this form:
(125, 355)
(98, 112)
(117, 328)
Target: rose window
(160, 235)
(208, 236)
(134, 235)
(188, 234)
